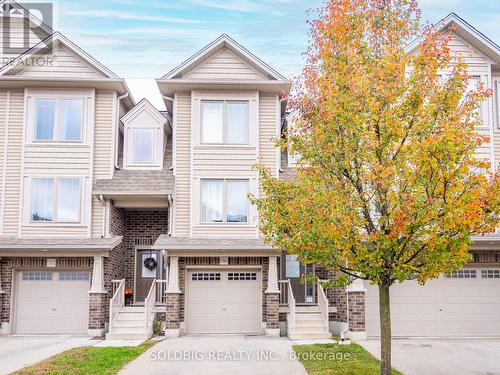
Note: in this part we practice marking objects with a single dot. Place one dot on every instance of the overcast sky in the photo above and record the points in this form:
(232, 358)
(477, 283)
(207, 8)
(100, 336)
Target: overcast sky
(143, 40)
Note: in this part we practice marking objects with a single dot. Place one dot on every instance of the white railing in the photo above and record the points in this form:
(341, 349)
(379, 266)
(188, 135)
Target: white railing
(118, 299)
(323, 304)
(149, 304)
(290, 300)
(161, 287)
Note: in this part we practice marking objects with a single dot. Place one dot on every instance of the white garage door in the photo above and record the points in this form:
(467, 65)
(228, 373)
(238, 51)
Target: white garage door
(463, 304)
(52, 302)
(223, 301)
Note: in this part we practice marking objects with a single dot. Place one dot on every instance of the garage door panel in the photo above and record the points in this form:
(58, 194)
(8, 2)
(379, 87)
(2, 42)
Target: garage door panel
(229, 305)
(446, 307)
(55, 306)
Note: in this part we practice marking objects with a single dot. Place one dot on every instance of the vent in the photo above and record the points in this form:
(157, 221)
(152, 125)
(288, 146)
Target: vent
(144, 241)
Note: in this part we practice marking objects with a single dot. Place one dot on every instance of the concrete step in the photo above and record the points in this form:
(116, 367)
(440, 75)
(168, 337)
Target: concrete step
(309, 336)
(308, 316)
(132, 309)
(299, 329)
(312, 308)
(127, 336)
(128, 329)
(130, 316)
(310, 323)
(128, 323)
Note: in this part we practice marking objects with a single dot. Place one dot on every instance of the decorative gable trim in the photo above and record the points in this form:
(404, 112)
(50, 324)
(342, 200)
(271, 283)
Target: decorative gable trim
(468, 34)
(144, 105)
(52, 40)
(224, 41)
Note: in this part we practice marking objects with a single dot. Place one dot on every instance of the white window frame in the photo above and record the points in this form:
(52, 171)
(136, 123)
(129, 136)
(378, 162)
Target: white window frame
(224, 201)
(225, 103)
(31, 112)
(29, 212)
(159, 140)
(197, 97)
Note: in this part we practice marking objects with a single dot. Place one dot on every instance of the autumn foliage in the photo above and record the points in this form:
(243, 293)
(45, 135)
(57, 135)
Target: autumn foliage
(389, 184)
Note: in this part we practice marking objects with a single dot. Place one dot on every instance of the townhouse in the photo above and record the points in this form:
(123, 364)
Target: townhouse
(113, 214)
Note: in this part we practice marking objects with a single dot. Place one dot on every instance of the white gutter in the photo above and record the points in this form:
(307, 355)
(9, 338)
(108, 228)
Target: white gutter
(117, 127)
(170, 214)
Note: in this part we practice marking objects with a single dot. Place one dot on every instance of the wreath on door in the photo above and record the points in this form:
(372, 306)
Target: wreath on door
(150, 263)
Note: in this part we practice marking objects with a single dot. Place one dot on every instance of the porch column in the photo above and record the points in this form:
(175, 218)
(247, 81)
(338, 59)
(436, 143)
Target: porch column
(98, 276)
(173, 300)
(272, 299)
(98, 300)
(356, 302)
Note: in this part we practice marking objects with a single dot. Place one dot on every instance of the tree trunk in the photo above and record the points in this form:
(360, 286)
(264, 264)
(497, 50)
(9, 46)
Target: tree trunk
(385, 329)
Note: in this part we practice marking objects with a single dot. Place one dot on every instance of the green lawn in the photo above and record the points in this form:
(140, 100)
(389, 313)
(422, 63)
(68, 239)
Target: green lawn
(87, 360)
(333, 359)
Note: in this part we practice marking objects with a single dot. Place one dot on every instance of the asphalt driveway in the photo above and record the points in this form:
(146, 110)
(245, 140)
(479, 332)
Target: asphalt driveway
(218, 355)
(442, 357)
(17, 352)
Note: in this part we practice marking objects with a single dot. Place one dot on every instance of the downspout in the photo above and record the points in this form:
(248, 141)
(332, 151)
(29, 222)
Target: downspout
(117, 126)
(100, 198)
(170, 214)
(278, 135)
(174, 128)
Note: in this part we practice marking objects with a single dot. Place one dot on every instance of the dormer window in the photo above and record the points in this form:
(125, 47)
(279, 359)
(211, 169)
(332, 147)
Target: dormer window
(144, 137)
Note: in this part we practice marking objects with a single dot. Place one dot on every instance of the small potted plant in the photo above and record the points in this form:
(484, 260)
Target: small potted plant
(129, 297)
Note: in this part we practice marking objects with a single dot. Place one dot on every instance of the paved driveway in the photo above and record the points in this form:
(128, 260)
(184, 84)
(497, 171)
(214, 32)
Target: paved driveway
(218, 355)
(442, 357)
(17, 352)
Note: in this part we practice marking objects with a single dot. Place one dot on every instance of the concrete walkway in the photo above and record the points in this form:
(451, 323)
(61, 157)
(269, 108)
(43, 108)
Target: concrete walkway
(218, 355)
(442, 357)
(17, 352)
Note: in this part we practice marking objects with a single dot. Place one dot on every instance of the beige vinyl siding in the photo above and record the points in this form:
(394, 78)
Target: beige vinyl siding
(14, 155)
(61, 63)
(469, 54)
(268, 117)
(103, 150)
(53, 160)
(224, 65)
(3, 132)
(225, 161)
(183, 167)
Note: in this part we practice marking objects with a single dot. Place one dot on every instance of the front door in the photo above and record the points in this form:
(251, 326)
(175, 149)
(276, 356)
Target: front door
(293, 271)
(147, 269)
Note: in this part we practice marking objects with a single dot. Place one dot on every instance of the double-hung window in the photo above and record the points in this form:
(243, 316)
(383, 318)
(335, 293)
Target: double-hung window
(55, 200)
(224, 201)
(225, 122)
(58, 119)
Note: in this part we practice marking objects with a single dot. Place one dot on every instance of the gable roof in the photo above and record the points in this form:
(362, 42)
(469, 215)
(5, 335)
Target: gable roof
(468, 33)
(146, 105)
(52, 40)
(223, 41)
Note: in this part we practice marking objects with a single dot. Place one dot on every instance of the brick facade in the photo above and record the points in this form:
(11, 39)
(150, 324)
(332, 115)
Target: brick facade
(172, 315)
(272, 310)
(98, 310)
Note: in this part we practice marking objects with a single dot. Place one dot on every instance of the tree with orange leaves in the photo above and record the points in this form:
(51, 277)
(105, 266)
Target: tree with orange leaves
(388, 186)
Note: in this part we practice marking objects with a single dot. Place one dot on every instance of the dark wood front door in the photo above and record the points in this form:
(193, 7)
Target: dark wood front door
(143, 275)
(293, 270)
